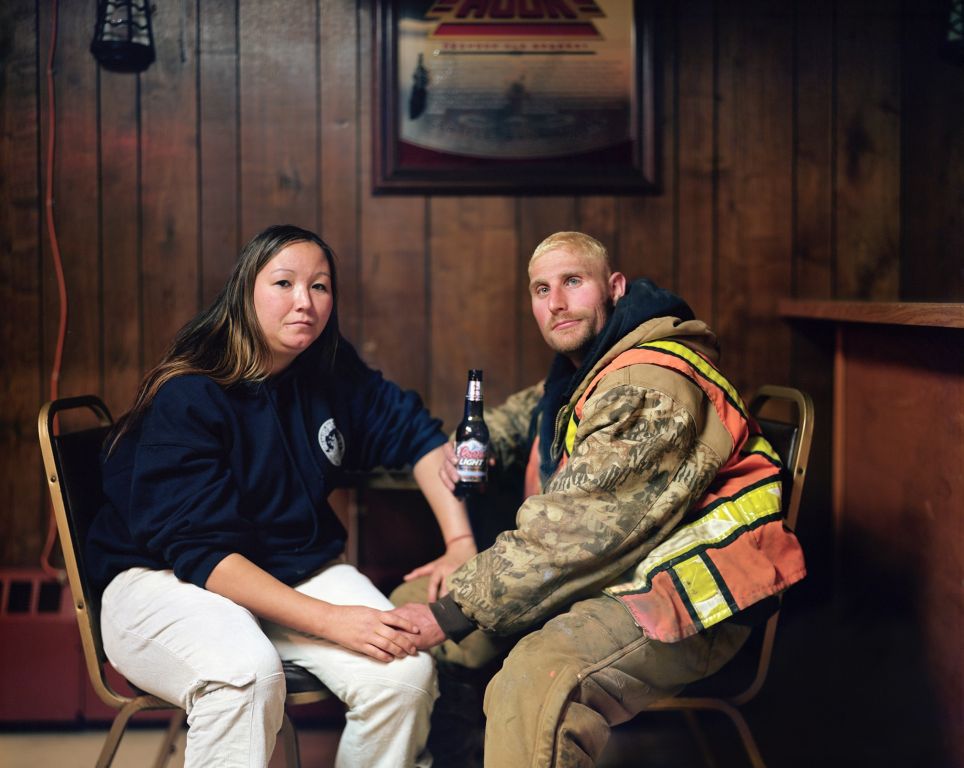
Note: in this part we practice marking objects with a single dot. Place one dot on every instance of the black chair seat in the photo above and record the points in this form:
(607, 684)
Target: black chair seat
(300, 680)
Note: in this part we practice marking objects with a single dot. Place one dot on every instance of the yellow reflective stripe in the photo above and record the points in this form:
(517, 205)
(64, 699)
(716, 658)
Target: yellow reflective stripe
(684, 352)
(725, 520)
(760, 444)
(681, 350)
(702, 591)
(571, 433)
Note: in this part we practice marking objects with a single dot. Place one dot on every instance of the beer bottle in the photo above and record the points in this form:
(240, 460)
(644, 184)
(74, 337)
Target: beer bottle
(472, 441)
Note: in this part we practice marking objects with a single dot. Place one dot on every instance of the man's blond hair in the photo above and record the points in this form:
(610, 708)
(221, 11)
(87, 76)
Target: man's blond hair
(578, 243)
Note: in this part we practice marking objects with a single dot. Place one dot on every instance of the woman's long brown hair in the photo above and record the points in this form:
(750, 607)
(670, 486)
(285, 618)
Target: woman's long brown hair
(225, 341)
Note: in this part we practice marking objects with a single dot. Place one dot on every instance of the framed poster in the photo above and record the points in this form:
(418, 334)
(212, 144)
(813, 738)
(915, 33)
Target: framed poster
(514, 96)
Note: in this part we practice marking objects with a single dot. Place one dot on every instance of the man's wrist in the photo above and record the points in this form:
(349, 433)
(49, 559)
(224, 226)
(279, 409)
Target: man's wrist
(450, 618)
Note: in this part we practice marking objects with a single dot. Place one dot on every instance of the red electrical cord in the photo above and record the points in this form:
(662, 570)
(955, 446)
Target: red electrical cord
(58, 268)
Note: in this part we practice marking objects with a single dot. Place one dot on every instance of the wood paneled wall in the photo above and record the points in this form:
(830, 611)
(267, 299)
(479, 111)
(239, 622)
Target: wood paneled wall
(790, 167)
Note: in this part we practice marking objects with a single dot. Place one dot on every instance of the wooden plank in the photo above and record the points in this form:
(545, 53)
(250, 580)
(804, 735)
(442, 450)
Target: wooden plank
(340, 178)
(540, 217)
(120, 299)
(169, 181)
(644, 240)
(898, 490)
(394, 335)
(755, 195)
(868, 140)
(599, 217)
(812, 265)
(932, 163)
(936, 314)
(22, 384)
(643, 244)
(76, 205)
(279, 114)
(218, 144)
(473, 287)
(74, 208)
(696, 126)
(813, 154)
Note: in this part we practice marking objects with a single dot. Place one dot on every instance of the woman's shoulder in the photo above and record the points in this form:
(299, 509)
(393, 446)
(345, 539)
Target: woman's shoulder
(190, 404)
(344, 372)
(189, 386)
(347, 359)
(198, 394)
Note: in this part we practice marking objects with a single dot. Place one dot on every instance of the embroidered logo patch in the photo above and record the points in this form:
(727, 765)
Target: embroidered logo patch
(331, 442)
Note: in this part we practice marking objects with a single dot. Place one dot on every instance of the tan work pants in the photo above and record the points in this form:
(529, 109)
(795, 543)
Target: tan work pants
(564, 685)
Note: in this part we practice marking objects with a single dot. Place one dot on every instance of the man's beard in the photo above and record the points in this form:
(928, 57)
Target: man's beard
(575, 344)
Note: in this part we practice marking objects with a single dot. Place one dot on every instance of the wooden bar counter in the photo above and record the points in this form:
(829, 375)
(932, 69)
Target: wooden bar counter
(898, 514)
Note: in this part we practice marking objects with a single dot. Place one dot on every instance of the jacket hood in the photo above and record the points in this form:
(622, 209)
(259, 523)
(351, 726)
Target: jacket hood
(642, 303)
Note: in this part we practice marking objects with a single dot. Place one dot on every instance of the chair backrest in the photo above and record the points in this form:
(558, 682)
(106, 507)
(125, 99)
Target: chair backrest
(785, 416)
(72, 464)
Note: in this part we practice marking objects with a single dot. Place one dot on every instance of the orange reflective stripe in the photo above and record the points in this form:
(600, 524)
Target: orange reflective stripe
(533, 483)
(736, 476)
(680, 358)
(736, 551)
(704, 366)
(729, 407)
(748, 570)
(760, 445)
(719, 527)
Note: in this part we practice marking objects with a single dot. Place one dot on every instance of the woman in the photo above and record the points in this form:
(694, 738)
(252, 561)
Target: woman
(218, 554)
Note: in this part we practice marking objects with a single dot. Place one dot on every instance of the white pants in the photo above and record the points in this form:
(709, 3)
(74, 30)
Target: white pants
(212, 657)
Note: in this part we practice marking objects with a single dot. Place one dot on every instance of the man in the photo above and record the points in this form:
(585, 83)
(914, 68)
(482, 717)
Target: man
(652, 520)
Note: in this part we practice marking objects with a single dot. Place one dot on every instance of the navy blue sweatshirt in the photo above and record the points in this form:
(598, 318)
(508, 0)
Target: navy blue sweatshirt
(210, 471)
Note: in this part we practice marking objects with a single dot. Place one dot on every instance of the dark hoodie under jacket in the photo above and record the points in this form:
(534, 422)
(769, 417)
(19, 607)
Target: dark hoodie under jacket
(210, 471)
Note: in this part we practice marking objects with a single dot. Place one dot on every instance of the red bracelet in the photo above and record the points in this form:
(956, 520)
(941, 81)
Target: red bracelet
(463, 536)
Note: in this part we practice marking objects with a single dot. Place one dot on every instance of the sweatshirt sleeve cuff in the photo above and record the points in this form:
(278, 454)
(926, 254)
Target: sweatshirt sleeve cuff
(197, 570)
(428, 446)
(451, 619)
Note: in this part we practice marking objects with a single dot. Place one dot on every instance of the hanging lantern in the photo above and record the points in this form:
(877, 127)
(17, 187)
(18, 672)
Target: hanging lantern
(123, 39)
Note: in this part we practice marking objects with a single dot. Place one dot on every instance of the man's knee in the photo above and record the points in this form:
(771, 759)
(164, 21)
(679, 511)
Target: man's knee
(415, 591)
(526, 702)
(532, 672)
(549, 667)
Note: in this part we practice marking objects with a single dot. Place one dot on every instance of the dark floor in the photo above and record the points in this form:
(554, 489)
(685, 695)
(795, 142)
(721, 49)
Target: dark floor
(651, 740)
(657, 740)
(660, 740)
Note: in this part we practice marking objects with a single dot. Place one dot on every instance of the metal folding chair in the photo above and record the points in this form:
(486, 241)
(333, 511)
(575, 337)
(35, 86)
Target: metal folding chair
(72, 464)
(785, 416)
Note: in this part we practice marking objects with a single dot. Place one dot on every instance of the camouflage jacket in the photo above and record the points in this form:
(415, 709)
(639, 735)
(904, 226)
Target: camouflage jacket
(647, 447)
